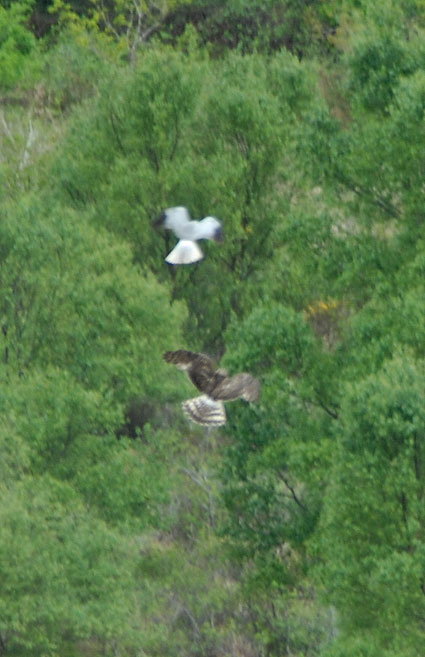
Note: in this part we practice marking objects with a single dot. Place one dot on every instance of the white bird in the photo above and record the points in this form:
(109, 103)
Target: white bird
(187, 250)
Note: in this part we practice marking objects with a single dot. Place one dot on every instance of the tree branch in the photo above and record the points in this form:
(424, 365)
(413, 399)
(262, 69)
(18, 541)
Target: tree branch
(200, 480)
(293, 493)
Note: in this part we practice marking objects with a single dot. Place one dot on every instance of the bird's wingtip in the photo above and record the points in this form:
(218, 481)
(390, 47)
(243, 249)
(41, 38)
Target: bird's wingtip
(253, 393)
(159, 221)
(219, 235)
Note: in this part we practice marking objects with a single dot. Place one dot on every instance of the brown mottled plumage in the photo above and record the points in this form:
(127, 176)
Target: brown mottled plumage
(216, 385)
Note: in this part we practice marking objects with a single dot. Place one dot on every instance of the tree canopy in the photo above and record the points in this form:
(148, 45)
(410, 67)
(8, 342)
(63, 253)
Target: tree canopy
(297, 528)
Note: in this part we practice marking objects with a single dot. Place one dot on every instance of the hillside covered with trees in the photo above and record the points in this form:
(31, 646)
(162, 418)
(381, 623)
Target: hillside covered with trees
(297, 529)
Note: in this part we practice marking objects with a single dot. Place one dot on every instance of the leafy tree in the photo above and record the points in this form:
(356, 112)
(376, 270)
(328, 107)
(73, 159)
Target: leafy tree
(129, 23)
(172, 134)
(72, 304)
(18, 48)
(75, 64)
(373, 571)
(297, 528)
(289, 428)
(81, 305)
(65, 575)
(275, 469)
(252, 26)
(65, 430)
(370, 158)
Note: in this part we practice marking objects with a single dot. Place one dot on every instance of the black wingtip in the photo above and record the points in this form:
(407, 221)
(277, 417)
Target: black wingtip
(159, 221)
(219, 235)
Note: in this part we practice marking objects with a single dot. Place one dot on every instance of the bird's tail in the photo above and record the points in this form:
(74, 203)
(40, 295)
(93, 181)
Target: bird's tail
(184, 253)
(206, 411)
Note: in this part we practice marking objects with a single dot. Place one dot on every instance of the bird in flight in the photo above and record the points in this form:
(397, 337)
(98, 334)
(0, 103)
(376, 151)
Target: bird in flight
(187, 250)
(216, 384)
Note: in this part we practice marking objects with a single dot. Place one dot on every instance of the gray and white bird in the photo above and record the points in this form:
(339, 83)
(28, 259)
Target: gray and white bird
(216, 384)
(189, 232)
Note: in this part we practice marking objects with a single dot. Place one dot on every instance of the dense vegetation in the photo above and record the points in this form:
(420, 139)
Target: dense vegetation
(298, 529)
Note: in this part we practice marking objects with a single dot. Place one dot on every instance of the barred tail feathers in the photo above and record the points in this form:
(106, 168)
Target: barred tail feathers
(204, 410)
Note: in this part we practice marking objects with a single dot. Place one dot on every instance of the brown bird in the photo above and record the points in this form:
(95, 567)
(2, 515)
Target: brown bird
(218, 386)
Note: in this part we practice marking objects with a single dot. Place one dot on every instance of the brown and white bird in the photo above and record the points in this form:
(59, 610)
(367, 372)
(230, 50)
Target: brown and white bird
(187, 250)
(217, 386)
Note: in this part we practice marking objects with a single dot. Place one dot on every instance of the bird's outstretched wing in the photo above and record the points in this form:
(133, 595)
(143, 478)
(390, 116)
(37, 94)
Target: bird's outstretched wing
(199, 367)
(175, 219)
(241, 385)
(209, 229)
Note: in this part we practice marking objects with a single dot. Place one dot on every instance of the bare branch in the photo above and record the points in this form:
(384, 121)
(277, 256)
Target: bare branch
(6, 128)
(201, 480)
(30, 140)
(293, 493)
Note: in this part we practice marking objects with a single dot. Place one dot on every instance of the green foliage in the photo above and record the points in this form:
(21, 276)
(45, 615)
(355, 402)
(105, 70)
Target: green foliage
(65, 574)
(381, 56)
(251, 26)
(67, 431)
(129, 147)
(374, 572)
(93, 323)
(127, 24)
(75, 66)
(18, 48)
(170, 134)
(298, 527)
(275, 468)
